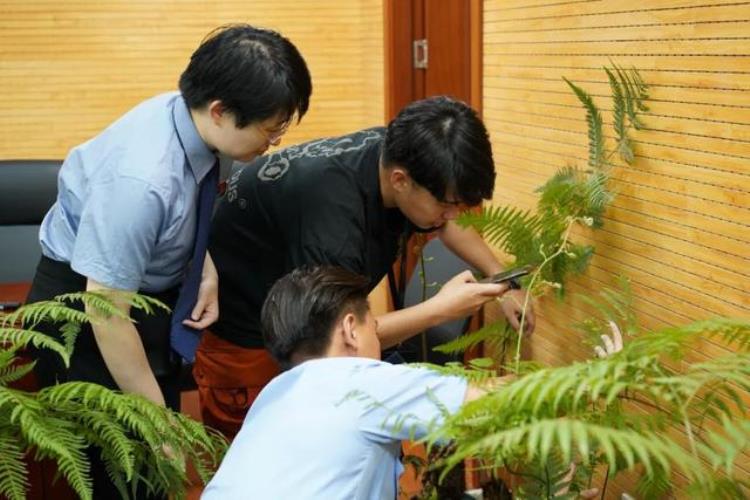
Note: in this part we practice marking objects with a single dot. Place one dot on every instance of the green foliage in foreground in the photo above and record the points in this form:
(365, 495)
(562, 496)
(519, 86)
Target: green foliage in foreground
(62, 421)
(591, 413)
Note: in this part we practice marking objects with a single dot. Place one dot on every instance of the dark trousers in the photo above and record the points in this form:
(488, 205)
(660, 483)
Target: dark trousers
(55, 278)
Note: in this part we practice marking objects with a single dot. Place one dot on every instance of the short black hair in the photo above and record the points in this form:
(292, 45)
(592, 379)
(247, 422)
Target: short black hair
(302, 307)
(444, 146)
(256, 73)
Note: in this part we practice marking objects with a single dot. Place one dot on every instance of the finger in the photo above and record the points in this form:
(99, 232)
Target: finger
(600, 352)
(590, 493)
(616, 336)
(467, 276)
(492, 289)
(514, 320)
(608, 346)
(208, 318)
(530, 321)
(200, 307)
(459, 278)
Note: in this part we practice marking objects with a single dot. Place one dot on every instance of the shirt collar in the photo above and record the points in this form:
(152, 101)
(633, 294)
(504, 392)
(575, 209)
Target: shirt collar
(199, 157)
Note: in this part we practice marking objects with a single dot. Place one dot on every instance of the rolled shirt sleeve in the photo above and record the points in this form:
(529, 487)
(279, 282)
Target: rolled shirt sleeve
(118, 231)
(405, 402)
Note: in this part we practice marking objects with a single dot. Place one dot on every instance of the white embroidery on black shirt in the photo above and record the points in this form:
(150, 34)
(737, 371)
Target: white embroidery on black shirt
(277, 164)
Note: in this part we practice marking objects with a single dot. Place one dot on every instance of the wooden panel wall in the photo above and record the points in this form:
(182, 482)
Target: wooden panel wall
(680, 225)
(67, 69)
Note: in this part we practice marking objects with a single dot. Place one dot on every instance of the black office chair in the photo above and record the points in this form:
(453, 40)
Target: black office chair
(440, 265)
(28, 188)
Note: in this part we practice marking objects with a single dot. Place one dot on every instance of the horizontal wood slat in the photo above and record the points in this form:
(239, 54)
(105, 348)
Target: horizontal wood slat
(679, 226)
(68, 69)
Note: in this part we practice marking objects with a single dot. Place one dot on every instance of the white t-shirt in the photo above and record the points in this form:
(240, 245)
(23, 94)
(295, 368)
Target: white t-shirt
(331, 428)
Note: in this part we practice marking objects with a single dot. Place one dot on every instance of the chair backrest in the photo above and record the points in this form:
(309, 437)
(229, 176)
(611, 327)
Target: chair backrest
(440, 266)
(28, 188)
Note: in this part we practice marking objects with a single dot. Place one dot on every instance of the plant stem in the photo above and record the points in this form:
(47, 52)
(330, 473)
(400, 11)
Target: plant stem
(534, 276)
(423, 276)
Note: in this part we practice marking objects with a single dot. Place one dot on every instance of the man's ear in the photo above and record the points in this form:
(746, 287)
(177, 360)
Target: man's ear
(216, 111)
(399, 178)
(349, 332)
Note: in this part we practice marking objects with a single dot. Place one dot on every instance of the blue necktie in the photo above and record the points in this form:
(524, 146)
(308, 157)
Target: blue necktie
(184, 339)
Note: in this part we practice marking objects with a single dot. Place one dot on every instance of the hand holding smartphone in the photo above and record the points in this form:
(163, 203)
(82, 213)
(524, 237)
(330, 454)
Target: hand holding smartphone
(507, 275)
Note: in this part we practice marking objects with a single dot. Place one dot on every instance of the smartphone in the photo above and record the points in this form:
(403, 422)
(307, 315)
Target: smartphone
(508, 275)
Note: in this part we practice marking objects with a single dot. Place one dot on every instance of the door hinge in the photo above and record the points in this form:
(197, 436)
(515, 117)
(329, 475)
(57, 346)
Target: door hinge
(419, 53)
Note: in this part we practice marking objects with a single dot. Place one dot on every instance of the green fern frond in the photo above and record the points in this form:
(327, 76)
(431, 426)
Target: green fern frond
(637, 93)
(720, 489)
(655, 486)
(61, 421)
(8, 354)
(618, 101)
(567, 436)
(723, 447)
(54, 438)
(52, 311)
(630, 92)
(13, 479)
(672, 340)
(550, 484)
(475, 373)
(111, 438)
(492, 331)
(69, 332)
(19, 337)
(10, 374)
(594, 121)
(505, 227)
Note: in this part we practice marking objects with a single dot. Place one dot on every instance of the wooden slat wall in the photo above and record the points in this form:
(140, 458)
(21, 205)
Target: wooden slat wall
(67, 69)
(680, 225)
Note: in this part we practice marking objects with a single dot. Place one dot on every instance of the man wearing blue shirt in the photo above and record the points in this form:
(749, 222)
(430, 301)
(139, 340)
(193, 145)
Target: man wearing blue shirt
(126, 215)
(331, 425)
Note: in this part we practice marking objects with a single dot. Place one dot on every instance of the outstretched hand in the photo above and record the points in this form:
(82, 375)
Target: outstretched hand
(611, 344)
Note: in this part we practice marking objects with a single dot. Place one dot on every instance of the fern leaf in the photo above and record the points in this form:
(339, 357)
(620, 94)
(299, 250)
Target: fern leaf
(469, 340)
(618, 101)
(733, 439)
(505, 227)
(10, 374)
(52, 311)
(21, 338)
(13, 481)
(594, 121)
(648, 449)
(52, 438)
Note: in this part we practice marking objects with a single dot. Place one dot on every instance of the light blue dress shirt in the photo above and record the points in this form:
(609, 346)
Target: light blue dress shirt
(331, 429)
(126, 211)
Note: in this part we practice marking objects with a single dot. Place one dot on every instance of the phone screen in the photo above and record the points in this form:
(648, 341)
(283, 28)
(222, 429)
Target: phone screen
(507, 275)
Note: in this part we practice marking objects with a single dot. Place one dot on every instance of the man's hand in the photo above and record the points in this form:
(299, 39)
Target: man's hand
(462, 296)
(611, 345)
(512, 306)
(206, 310)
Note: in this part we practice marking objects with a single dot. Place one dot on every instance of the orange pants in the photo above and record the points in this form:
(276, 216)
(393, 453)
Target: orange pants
(229, 378)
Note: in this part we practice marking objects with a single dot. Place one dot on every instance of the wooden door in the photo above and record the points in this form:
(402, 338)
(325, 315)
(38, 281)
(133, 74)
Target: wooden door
(432, 47)
(446, 36)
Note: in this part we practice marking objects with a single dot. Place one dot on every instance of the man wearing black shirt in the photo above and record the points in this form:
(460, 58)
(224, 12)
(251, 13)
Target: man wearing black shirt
(347, 201)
